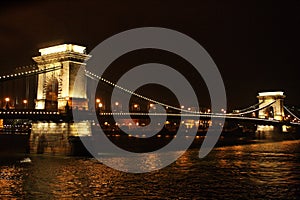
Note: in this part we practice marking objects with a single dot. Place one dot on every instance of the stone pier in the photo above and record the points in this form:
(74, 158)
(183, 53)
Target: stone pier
(53, 138)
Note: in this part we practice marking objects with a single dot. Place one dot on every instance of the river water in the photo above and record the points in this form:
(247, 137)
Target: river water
(254, 171)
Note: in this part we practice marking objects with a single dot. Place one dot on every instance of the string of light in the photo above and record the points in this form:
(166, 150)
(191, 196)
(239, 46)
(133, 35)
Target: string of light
(96, 77)
(254, 110)
(291, 113)
(28, 73)
(253, 106)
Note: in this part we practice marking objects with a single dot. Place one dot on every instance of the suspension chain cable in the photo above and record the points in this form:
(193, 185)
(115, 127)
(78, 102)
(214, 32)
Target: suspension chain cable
(32, 72)
(291, 113)
(96, 77)
(253, 106)
(251, 111)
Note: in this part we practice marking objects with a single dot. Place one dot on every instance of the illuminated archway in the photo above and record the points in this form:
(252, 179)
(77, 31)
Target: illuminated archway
(52, 94)
(270, 112)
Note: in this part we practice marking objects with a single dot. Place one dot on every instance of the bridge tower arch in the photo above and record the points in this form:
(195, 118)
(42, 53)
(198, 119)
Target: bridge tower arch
(55, 88)
(274, 111)
(51, 100)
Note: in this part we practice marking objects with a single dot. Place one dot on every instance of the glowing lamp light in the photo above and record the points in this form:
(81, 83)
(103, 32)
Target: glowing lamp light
(7, 99)
(135, 105)
(25, 101)
(277, 93)
(63, 48)
(117, 103)
(98, 100)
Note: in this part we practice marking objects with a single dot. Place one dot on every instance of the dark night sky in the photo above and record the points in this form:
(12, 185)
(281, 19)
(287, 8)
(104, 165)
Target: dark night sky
(255, 44)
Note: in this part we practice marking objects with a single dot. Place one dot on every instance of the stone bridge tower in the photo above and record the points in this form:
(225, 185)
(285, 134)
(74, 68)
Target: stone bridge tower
(274, 111)
(55, 88)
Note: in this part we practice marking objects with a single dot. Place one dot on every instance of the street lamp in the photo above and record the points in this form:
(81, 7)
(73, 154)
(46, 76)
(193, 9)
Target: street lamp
(25, 101)
(98, 105)
(118, 107)
(7, 99)
(152, 106)
(136, 107)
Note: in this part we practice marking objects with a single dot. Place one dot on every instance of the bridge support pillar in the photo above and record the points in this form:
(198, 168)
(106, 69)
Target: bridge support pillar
(54, 138)
(274, 111)
(63, 64)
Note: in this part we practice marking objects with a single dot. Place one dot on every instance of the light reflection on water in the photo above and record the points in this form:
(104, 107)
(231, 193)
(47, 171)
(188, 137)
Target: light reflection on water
(139, 162)
(269, 170)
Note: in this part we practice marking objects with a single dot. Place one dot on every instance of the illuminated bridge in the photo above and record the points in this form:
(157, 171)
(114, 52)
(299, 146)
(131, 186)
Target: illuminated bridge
(56, 97)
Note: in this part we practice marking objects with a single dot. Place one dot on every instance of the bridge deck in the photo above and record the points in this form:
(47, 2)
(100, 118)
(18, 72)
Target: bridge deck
(55, 116)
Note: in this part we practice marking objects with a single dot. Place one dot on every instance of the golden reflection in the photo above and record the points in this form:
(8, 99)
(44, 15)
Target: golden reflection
(273, 167)
(185, 162)
(83, 179)
(115, 161)
(11, 182)
(152, 162)
(223, 163)
(227, 157)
